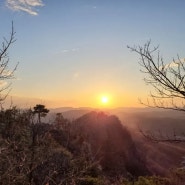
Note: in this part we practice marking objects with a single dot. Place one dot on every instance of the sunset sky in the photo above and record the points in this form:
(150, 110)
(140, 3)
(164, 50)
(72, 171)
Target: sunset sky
(73, 52)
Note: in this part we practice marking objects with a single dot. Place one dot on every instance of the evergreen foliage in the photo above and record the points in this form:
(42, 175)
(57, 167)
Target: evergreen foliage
(41, 111)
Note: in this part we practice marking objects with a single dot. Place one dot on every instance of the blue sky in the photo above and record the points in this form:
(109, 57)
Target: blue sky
(72, 52)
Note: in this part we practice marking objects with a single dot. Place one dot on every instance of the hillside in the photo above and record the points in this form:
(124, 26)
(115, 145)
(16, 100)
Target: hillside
(159, 157)
(96, 149)
(111, 144)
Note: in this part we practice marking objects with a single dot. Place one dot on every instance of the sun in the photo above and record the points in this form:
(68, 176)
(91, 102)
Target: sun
(104, 99)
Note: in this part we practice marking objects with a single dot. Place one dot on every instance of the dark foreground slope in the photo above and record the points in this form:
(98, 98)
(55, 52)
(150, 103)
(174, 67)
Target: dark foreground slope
(93, 149)
(94, 145)
(111, 144)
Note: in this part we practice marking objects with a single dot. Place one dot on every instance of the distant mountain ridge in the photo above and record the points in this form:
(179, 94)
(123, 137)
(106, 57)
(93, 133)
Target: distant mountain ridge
(124, 113)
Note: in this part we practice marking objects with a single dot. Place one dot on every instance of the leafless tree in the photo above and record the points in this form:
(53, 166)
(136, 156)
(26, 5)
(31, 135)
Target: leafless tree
(168, 80)
(5, 72)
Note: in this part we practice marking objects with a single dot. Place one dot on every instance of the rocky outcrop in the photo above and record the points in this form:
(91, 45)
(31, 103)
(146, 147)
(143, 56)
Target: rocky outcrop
(110, 143)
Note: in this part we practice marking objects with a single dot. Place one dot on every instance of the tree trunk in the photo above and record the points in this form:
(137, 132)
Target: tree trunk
(39, 117)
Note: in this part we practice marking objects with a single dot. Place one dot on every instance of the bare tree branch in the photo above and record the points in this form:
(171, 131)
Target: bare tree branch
(5, 72)
(168, 80)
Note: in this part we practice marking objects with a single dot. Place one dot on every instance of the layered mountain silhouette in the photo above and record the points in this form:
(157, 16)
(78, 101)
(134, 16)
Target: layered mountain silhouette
(95, 145)
(101, 139)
